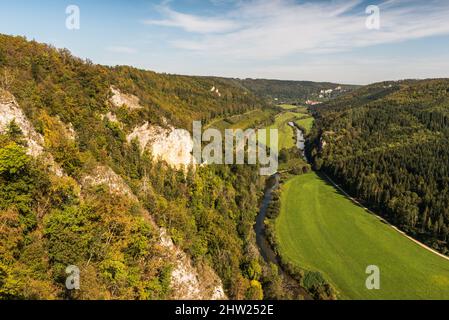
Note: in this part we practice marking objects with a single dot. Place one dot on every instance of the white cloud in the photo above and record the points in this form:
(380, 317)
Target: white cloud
(273, 29)
(192, 23)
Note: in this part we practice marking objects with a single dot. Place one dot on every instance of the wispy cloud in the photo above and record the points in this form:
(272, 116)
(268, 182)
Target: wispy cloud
(192, 23)
(259, 29)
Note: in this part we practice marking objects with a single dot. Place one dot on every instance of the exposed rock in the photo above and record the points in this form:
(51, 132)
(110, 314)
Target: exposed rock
(218, 293)
(9, 111)
(326, 138)
(105, 175)
(171, 145)
(323, 143)
(111, 117)
(69, 131)
(186, 281)
(216, 91)
(120, 99)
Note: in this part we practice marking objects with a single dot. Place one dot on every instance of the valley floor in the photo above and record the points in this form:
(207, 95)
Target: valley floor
(320, 229)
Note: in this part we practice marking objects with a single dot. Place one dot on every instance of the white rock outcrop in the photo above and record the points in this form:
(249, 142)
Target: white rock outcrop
(105, 175)
(111, 117)
(70, 131)
(216, 91)
(10, 111)
(171, 145)
(119, 99)
(186, 282)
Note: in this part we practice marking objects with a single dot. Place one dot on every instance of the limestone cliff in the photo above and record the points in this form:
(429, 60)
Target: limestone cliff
(186, 281)
(10, 111)
(171, 145)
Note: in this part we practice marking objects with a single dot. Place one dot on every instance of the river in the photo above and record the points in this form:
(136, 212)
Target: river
(265, 247)
(300, 140)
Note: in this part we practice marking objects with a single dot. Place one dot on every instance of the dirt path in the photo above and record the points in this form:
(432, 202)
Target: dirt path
(383, 220)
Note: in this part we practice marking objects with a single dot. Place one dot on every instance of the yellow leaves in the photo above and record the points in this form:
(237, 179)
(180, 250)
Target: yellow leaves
(255, 290)
(5, 96)
(59, 138)
(63, 190)
(55, 132)
(19, 282)
(10, 234)
(9, 285)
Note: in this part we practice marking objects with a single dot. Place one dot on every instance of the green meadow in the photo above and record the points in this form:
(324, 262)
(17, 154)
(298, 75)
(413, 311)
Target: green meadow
(305, 123)
(290, 107)
(319, 229)
(250, 119)
(286, 135)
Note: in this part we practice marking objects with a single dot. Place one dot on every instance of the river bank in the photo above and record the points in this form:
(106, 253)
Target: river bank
(264, 245)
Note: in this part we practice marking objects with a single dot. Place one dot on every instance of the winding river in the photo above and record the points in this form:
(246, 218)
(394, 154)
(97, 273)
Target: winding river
(265, 247)
(300, 140)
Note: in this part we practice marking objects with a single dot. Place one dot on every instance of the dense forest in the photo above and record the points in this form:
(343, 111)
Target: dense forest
(49, 221)
(290, 91)
(387, 144)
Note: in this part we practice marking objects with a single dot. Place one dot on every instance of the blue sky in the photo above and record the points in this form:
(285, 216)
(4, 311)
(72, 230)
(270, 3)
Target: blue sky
(281, 39)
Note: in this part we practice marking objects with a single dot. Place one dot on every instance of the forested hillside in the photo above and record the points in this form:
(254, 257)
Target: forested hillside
(388, 145)
(292, 91)
(89, 196)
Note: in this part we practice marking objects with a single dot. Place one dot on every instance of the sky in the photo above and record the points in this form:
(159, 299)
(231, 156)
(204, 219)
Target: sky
(277, 39)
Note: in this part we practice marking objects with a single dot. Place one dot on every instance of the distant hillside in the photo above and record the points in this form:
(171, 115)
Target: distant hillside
(280, 91)
(388, 144)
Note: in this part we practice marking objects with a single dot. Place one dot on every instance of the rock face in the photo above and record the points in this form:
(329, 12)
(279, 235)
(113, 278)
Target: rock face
(105, 175)
(174, 146)
(70, 131)
(120, 99)
(323, 144)
(112, 118)
(216, 91)
(325, 138)
(10, 111)
(186, 281)
(171, 145)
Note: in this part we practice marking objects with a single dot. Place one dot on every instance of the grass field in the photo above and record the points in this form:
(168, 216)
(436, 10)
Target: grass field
(290, 107)
(320, 229)
(286, 135)
(243, 121)
(305, 123)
